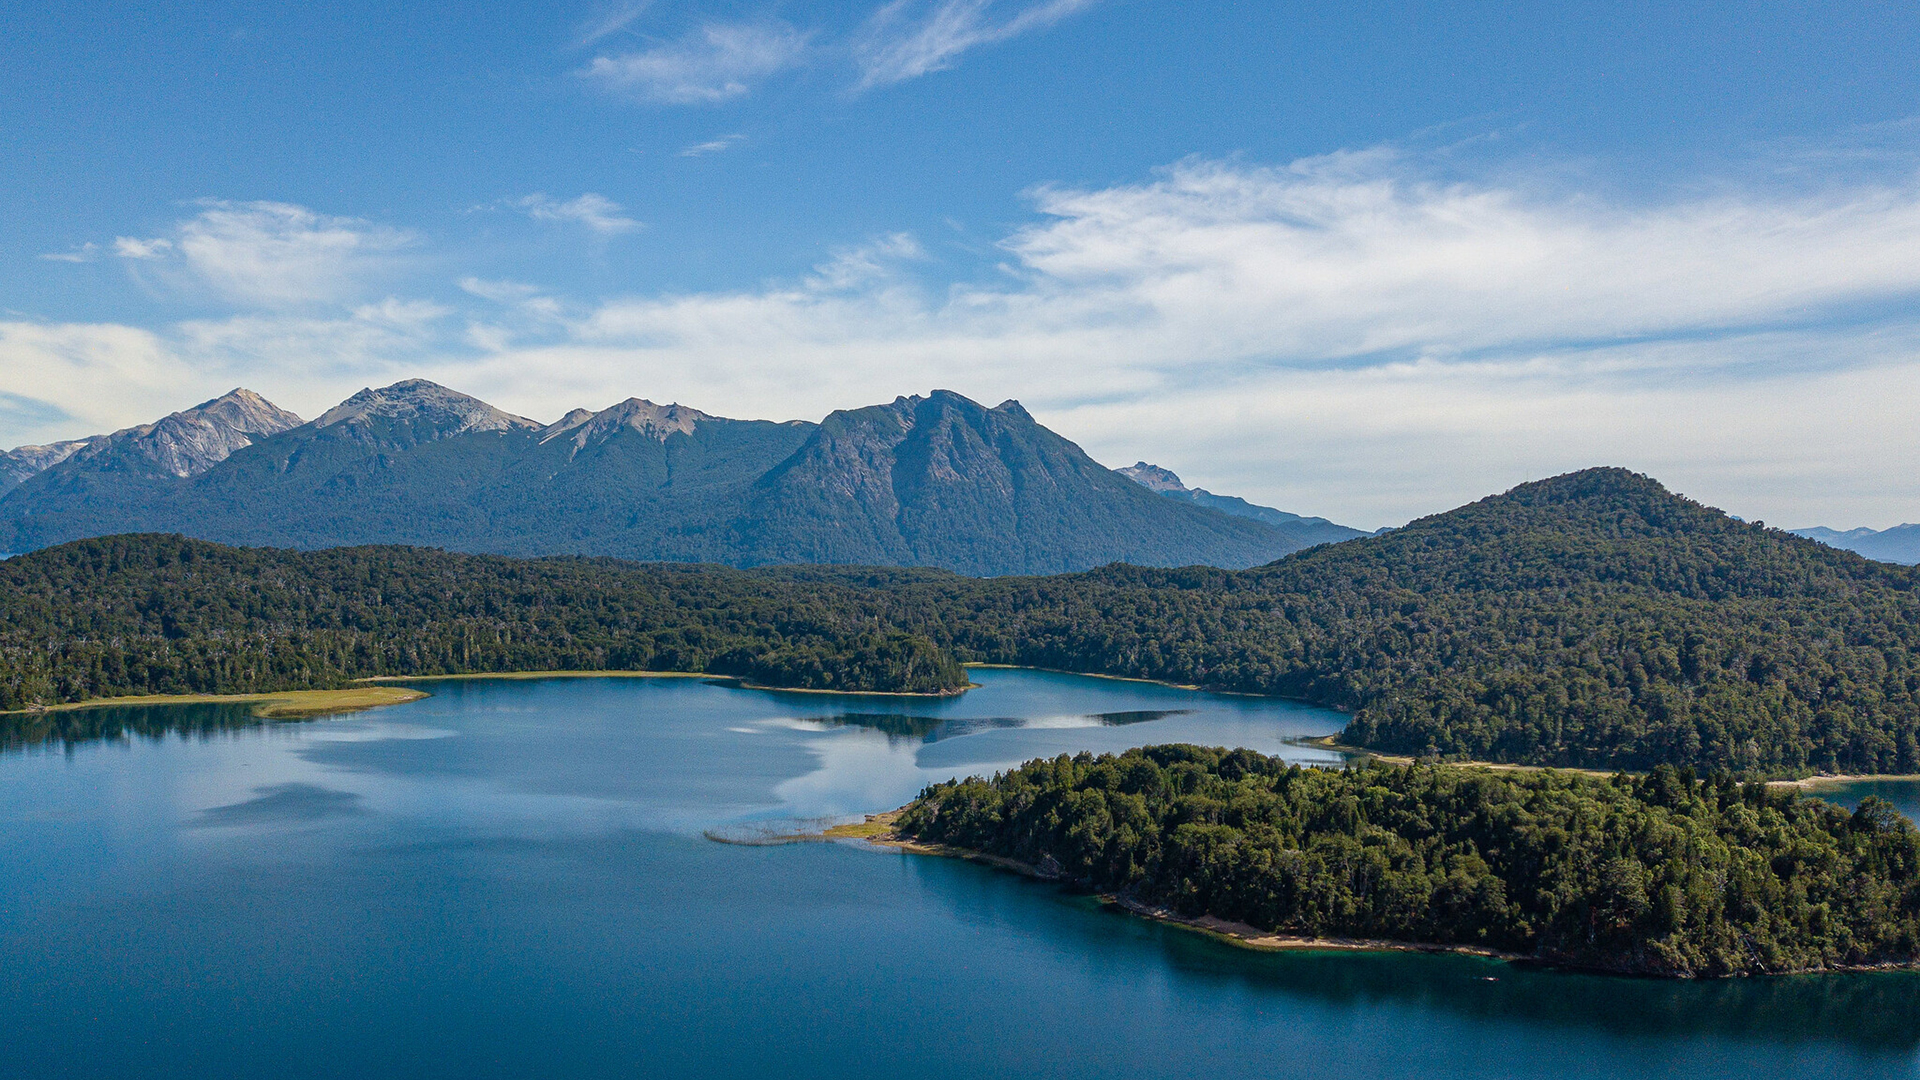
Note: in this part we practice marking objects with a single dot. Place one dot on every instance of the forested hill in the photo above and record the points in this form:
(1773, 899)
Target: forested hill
(1593, 620)
(149, 614)
(1660, 875)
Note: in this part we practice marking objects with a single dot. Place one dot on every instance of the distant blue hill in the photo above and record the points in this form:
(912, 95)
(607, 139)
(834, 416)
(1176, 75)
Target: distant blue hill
(1900, 544)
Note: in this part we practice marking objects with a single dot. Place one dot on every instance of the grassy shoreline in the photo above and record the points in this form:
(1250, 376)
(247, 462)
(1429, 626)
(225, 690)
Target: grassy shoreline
(269, 705)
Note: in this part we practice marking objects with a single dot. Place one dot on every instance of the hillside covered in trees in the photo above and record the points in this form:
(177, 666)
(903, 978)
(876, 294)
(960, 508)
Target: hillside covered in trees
(1660, 875)
(165, 615)
(1591, 620)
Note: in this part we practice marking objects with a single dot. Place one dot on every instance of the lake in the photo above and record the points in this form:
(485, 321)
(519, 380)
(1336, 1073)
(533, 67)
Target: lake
(514, 878)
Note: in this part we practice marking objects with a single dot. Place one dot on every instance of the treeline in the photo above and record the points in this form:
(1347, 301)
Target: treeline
(1593, 620)
(165, 615)
(1663, 875)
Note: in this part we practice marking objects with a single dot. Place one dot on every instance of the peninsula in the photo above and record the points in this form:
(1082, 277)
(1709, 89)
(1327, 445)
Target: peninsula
(1665, 874)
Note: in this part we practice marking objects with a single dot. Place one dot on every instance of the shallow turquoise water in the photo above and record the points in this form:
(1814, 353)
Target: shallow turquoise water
(512, 879)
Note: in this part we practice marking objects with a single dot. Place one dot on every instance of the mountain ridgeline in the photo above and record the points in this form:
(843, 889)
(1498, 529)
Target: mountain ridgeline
(1900, 544)
(934, 481)
(1592, 620)
(1167, 483)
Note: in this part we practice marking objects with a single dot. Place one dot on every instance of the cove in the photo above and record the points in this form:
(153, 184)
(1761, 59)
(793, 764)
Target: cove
(513, 878)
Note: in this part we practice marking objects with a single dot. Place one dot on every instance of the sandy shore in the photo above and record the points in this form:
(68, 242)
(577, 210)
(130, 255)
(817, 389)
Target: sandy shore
(1814, 783)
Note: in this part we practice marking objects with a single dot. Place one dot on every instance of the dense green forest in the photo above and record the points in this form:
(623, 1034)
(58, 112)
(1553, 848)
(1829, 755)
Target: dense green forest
(1591, 620)
(158, 614)
(1663, 874)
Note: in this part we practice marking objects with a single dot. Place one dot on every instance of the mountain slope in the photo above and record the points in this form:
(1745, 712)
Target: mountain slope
(183, 444)
(1309, 530)
(1900, 544)
(944, 481)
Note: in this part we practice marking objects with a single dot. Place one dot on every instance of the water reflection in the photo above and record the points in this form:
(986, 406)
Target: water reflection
(1873, 1011)
(67, 728)
(935, 728)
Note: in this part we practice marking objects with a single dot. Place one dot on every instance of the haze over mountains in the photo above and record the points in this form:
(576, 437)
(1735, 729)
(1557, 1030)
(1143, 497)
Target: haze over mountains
(1900, 544)
(932, 481)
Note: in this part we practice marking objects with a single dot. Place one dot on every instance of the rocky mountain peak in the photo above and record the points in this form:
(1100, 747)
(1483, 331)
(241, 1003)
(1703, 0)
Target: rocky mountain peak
(639, 414)
(23, 462)
(1152, 477)
(419, 401)
(194, 440)
(183, 444)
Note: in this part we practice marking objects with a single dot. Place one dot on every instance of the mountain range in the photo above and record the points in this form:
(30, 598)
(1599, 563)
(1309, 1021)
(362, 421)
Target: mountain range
(920, 481)
(1900, 544)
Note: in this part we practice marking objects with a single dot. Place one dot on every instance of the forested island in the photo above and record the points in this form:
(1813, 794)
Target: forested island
(1592, 620)
(1663, 874)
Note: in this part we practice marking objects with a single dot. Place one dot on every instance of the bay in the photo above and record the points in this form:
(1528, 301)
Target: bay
(515, 878)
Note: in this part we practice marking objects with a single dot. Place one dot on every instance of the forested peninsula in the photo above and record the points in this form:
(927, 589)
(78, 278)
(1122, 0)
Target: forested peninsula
(1658, 875)
(1593, 620)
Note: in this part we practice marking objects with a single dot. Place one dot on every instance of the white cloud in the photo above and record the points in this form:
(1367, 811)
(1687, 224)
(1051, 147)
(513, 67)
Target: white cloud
(128, 247)
(905, 40)
(99, 375)
(267, 254)
(711, 146)
(597, 212)
(717, 62)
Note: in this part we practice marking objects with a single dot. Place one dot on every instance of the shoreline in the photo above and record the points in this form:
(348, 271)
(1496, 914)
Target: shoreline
(1194, 687)
(1822, 780)
(1332, 742)
(268, 705)
(730, 680)
(375, 691)
(877, 830)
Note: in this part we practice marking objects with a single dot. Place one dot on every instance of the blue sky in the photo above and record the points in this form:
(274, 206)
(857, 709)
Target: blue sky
(1361, 260)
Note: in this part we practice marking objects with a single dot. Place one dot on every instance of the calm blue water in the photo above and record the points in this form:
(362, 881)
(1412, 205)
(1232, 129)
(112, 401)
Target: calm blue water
(510, 879)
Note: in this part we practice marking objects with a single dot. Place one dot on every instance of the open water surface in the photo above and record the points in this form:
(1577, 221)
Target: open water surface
(513, 879)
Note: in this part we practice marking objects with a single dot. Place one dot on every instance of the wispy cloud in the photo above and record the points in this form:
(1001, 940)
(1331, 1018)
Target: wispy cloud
(267, 253)
(612, 20)
(907, 39)
(86, 252)
(129, 247)
(714, 63)
(601, 215)
(711, 146)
